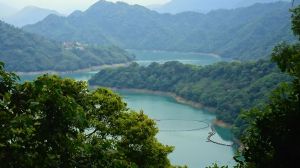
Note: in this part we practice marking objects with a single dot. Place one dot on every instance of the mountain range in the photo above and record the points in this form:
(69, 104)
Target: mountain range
(29, 15)
(204, 6)
(26, 52)
(243, 33)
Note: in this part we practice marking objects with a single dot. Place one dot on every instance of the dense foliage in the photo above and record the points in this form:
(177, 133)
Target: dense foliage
(272, 138)
(25, 52)
(244, 33)
(54, 122)
(228, 87)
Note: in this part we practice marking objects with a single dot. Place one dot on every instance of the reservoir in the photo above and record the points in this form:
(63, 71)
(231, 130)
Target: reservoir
(182, 126)
(176, 122)
(146, 57)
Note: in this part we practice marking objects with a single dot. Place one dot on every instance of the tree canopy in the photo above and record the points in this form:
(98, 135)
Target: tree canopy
(55, 122)
(272, 138)
(227, 87)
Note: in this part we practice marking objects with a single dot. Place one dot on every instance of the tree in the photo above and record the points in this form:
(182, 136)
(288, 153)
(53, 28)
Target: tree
(272, 138)
(55, 122)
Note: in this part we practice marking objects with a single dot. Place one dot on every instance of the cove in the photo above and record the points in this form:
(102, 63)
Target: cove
(175, 122)
(175, 119)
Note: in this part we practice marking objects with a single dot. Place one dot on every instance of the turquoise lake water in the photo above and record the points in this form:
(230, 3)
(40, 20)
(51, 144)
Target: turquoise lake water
(174, 119)
(145, 57)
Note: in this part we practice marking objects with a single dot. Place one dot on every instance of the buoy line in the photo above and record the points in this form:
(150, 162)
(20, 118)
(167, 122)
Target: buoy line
(211, 134)
(183, 130)
(207, 125)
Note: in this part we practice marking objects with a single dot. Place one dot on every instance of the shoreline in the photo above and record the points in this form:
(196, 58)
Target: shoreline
(211, 134)
(93, 68)
(189, 52)
(221, 123)
(180, 100)
(177, 98)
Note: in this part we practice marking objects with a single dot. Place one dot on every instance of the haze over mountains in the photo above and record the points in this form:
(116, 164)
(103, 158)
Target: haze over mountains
(29, 15)
(6, 10)
(243, 33)
(204, 6)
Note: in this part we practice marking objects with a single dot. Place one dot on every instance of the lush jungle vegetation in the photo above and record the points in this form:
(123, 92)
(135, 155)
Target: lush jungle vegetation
(26, 52)
(228, 87)
(243, 33)
(272, 138)
(270, 135)
(55, 122)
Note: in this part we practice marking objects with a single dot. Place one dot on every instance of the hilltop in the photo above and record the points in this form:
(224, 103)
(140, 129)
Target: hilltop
(243, 33)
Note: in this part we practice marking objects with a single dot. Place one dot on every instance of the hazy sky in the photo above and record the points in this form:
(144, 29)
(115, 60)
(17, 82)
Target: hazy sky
(70, 5)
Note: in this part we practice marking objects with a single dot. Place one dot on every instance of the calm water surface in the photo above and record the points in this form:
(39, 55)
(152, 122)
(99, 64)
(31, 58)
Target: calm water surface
(173, 119)
(191, 147)
(146, 57)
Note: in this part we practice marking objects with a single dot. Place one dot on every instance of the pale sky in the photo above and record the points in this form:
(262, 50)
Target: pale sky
(64, 6)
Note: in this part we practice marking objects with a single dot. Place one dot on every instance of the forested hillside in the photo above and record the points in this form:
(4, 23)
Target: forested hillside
(26, 52)
(270, 137)
(244, 33)
(228, 87)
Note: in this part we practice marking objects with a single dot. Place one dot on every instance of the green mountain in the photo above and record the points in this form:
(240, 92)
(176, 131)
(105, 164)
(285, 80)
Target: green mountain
(26, 52)
(243, 33)
(227, 87)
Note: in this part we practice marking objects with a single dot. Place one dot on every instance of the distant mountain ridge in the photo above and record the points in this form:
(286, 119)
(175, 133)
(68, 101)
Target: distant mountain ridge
(204, 6)
(26, 52)
(29, 15)
(244, 33)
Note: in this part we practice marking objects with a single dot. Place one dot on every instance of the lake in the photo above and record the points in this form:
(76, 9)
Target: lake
(175, 122)
(180, 125)
(146, 57)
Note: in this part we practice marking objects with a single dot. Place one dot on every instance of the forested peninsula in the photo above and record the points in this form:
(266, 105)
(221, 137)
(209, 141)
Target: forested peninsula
(227, 87)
